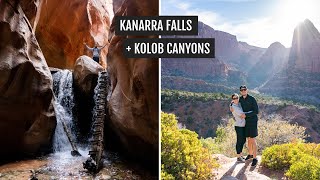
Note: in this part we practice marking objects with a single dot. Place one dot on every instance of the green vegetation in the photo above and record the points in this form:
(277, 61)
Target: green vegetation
(169, 97)
(301, 160)
(270, 133)
(182, 154)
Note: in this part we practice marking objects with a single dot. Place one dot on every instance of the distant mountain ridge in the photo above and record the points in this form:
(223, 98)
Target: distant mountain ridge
(300, 77)
(280, 71)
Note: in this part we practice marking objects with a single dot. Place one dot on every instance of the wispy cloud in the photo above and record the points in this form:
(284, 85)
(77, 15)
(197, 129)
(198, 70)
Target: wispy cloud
(258, 31)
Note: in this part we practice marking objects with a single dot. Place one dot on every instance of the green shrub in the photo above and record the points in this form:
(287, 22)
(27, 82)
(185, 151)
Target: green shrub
(182, 154)
(277, 157)
(284, 155)
(210, 144)
(308, 167)
(270, 132)
(302, 160)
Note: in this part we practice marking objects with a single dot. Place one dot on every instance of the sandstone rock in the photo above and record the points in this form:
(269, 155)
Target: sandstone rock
(197, 68)
(299, 80)
(27, 118)
(271, 62)
(32, 10)
(64, 26)
(133, 106)
(211, 70)
(85, 74)
(305, 54)
(116, 5)
(229, 50)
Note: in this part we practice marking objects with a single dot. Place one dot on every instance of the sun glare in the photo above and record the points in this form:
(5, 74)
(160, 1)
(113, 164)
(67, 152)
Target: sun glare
(295, 11)
(289, 13)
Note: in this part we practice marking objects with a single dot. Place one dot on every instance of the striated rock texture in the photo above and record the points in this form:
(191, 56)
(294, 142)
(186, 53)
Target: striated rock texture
(116, 5)
(226, 44)
(235, 54)
(133, 105)
(224, 69)
(196, 68)
(271, 62)
(248, 57)
(305, 54)
(27, 118)
(64, 26)
(193, 85)
(32, 10)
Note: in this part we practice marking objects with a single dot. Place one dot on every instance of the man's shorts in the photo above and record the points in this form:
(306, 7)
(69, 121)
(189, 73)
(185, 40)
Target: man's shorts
(96, 59)
(251, 130)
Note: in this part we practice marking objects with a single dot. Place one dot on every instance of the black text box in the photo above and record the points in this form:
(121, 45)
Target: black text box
(182, 24)
(169, 48)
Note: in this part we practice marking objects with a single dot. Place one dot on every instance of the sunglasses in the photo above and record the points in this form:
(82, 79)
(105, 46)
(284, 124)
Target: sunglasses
(234, 98)
(243, 89)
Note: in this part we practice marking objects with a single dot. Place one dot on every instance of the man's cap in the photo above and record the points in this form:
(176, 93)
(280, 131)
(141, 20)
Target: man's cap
(243, 87)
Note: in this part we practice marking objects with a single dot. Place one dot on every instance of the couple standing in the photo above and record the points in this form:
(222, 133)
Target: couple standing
(245, 111)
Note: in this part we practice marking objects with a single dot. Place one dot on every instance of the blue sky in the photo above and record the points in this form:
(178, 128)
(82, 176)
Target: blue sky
(257, 22)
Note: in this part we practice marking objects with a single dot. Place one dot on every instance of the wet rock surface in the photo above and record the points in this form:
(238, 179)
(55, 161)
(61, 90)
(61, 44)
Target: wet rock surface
(64, 166)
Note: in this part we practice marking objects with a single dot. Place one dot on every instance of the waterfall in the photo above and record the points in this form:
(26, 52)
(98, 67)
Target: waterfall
(64, 102)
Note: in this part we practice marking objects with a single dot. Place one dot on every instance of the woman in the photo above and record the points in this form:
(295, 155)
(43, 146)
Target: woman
(236, 109)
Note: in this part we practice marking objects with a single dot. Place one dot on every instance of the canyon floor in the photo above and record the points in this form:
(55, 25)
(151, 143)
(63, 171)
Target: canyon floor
(64, 166)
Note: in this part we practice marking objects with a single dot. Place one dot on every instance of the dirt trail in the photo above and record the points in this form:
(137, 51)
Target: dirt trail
(231, 170)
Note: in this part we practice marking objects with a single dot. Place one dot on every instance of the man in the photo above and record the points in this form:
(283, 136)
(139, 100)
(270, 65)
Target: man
(95, 51)
(249, 104)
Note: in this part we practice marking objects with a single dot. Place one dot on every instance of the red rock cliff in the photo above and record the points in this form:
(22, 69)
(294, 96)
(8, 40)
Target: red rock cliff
(133, 106)
(305, 54)
(27, 118)
(64, 26)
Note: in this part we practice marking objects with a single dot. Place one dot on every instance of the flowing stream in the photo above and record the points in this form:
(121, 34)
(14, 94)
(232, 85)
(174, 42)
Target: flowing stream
(61, 164)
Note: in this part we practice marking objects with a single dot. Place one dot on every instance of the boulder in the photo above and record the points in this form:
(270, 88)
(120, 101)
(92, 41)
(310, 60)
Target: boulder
(85, 74)
(27, 118)
(85, 77)
(133, 105)
(64, 26)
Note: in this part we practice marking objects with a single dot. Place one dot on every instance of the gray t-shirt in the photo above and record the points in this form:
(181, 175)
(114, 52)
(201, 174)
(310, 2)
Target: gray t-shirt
(95, 51)
(237, 111)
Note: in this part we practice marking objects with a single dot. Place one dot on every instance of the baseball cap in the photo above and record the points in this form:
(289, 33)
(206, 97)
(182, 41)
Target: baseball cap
(243, 87)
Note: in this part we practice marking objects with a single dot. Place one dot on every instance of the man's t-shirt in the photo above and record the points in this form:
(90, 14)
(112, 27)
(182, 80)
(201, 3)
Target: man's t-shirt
(250, 104)
(96, 52)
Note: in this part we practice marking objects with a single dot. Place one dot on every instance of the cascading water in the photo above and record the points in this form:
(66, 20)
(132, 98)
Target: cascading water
(61, 161)
(61, 164)
(64, 102)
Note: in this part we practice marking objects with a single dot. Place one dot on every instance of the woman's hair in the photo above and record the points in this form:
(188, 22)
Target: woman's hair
(234, 94)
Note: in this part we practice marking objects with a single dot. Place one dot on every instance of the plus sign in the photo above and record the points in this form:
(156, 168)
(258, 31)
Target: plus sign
(128, 48)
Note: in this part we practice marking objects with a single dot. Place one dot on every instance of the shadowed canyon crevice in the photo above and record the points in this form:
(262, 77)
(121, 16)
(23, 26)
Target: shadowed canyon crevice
(38, 34)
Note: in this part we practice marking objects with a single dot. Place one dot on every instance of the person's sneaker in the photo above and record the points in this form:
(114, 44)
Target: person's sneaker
(240, 159)
(249, 157)
(254, 162)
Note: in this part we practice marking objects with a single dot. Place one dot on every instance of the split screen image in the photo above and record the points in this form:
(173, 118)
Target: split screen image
(74, 106)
